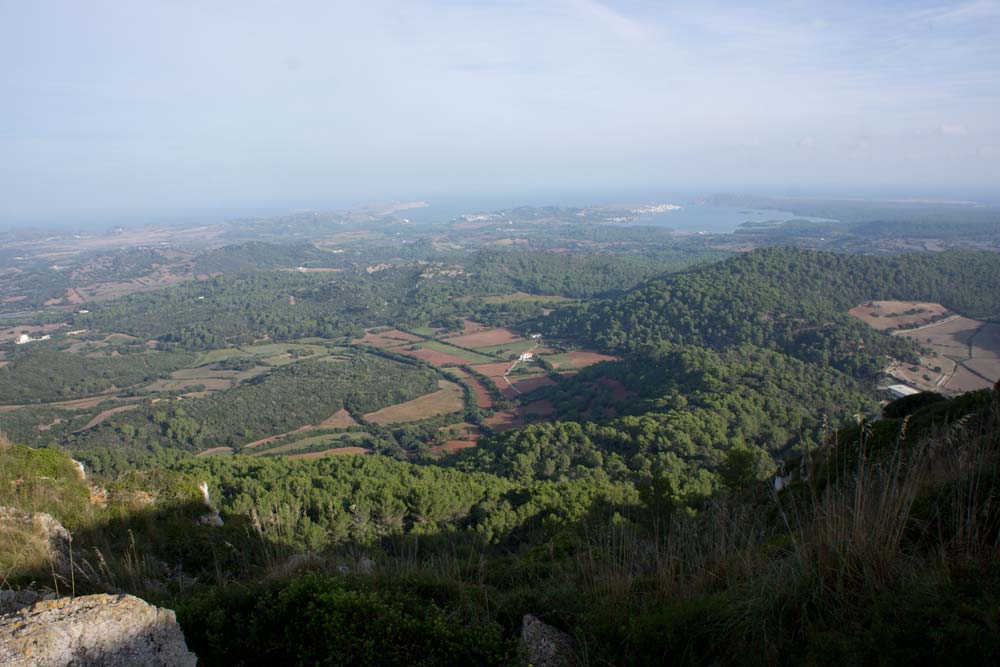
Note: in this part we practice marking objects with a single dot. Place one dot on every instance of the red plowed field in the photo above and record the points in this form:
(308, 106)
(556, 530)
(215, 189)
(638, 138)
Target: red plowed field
(487, 338)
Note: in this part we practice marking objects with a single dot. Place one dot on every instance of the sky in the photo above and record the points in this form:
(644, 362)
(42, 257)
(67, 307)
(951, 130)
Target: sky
(147, 110)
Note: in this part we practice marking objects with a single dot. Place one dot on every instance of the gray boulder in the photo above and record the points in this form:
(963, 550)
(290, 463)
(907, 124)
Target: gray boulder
(545, 646)
(33, 538)
(92, 631)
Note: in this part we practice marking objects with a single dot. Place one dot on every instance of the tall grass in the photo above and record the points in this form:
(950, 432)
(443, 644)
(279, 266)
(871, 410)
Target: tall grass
(865, 524)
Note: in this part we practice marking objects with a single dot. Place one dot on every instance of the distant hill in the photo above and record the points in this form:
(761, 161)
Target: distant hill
(787, 299)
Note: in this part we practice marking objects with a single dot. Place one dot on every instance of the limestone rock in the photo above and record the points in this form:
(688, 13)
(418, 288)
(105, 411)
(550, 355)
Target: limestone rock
(91, 631)
(36, 535)
(11, 601)
(545, 646)
(98, 496)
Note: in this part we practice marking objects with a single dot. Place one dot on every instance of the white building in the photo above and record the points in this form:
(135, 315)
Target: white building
(526, 356)
(25, 338)
(901, 390)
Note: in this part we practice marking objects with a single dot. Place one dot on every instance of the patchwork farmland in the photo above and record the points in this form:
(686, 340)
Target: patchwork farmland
(959, 354)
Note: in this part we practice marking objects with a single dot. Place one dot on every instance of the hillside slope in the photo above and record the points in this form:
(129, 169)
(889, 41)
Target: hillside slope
(786, 299)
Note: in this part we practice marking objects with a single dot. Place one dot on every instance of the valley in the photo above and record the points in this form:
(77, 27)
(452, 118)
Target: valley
(513, 414)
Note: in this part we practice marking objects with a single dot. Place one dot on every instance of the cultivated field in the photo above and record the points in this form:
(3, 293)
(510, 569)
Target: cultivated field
(74, 404)
(339, 419)
(338, 451)
(516, 347)
(432, 356)
(578, 359)
(524, 296)
(215, 451)
(453, 446)
(386, 338)
(483, 397)
(524, 385)
(962, 354)
(278, 352)
(883, 315)
(271, 438)
(447, 399)
(518, 417)
(487, 338)
(34, 330)
(468, 327)
(445, 348)
(329, 441)
(101, 416)
(492, 370)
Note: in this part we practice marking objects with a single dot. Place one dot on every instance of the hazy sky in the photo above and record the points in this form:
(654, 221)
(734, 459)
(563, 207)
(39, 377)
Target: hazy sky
(114, 109)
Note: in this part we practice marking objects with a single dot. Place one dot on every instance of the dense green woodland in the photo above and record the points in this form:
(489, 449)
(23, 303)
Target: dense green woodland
(789, 300)
(693, 406)
(241, 307)
(40, 374)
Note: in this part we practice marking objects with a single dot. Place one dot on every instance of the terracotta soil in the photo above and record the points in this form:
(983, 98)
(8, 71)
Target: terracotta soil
(339, 451)
(448, 398)
(504, 421)
(453, 446)
(967, 351)
(339, 419)
(584, 358)
(272, 438)
(883, 315)
(101, 416)
(390, 338)
(492, 370)
(481, 392)
(215, 450)
(487, 338)
(468, 327)
(531, 383)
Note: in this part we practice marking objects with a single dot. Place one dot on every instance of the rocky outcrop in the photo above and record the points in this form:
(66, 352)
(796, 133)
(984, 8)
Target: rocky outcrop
(545, 646)
(212, 517)
(36, 537)
(11, 601)
(92, 631)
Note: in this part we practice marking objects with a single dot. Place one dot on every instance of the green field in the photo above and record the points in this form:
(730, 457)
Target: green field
(213, 356)
(270, 349)
(327, 440)
(561, 360)
(263, 350)
(523, 296)
(469, 356)
(516, 347)
(425, 331)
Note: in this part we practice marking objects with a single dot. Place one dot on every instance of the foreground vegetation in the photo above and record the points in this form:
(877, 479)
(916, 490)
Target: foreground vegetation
(882, 549)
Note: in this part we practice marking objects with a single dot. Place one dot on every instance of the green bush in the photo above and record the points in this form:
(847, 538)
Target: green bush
(321, 620)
